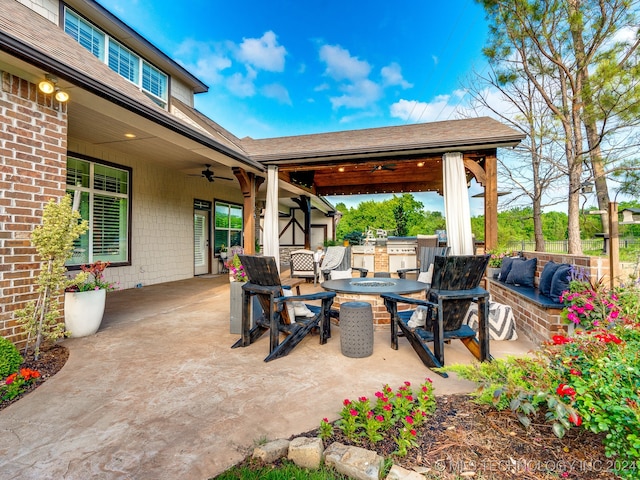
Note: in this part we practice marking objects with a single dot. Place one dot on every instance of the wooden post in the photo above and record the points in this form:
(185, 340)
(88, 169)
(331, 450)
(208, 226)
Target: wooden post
(249, 184)
(614, 245)
(491, 202)
(304, 202)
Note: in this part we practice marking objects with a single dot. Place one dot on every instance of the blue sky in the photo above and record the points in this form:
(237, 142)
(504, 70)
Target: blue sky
(295, 67)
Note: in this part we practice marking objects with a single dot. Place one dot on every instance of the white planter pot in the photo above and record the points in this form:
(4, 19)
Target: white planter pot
(83, 312)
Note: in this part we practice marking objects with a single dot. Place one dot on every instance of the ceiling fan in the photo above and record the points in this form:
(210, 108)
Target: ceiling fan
(390, 166)
(209, 175)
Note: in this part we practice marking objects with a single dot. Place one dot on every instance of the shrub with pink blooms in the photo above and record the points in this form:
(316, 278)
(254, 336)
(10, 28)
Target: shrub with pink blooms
(394, 413)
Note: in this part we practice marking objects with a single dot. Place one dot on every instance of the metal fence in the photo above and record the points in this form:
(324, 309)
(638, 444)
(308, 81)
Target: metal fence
(561, 246)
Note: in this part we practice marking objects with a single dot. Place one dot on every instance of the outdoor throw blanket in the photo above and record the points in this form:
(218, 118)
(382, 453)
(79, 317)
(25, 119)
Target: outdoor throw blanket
(502, 325)
(333, 258)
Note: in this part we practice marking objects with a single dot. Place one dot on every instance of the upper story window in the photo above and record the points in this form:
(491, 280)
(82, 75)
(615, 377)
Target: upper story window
(119, 58)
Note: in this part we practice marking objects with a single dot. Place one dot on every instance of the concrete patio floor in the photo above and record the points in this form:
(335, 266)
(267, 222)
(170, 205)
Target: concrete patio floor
(158, 393)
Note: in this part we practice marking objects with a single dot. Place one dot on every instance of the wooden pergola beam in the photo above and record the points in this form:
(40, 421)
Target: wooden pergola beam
(249, 185)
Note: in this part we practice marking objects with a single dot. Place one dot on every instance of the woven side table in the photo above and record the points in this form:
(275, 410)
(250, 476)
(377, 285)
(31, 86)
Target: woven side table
(356, 329)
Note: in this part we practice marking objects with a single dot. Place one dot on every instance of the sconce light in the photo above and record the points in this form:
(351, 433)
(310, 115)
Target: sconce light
(48, 86)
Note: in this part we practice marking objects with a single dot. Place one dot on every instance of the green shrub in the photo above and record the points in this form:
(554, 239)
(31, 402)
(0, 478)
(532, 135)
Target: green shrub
(10, 359)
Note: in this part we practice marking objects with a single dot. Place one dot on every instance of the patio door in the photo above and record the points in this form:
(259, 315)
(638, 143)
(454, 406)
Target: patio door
(201, 241)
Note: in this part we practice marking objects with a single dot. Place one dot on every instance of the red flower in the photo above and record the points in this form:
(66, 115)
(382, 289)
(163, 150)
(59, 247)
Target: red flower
(380, 418)
(575, 419)
(325, 420)
(363, 399)
(369, 414)
(573, 371)
(353, 412)
(409, 419)
(409, 397)
(413, 432)
(408, 384)
(560, 339)
(379, 394)
(346, 402)
(10, 378)
(388, 407)
(564, 389)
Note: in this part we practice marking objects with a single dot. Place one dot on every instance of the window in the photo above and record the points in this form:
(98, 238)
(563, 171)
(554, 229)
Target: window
(85, 34)
(104, 203)
(228, 225)
(123, 61)
(119, 58)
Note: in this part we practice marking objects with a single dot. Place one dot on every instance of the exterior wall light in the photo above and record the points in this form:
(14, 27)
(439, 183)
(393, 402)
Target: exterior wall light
(48, 86)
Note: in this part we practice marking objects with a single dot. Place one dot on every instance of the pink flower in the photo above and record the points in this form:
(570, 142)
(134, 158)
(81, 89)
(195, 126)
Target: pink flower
(409, 419)
(408, 384)
(574, 371)
(363, 399)
(353, 412)
(380, 418)
(413, 432)
(409, 397)
(369, 414)
(379, 394)
(346, 402)
(388, 407)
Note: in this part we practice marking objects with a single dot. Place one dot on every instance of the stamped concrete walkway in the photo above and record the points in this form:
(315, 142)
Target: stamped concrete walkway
(158, 394)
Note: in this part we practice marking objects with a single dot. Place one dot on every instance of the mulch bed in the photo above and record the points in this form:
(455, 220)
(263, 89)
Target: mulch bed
(50, 361)
(463, 439)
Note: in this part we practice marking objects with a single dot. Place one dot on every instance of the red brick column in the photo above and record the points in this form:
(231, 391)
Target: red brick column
(33, 155)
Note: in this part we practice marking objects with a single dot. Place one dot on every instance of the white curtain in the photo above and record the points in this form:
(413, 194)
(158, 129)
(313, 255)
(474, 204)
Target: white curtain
(271, 228)
(456, 205)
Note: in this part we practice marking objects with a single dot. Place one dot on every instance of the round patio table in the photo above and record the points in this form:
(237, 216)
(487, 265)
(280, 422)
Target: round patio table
(374, 286)
(369, 290)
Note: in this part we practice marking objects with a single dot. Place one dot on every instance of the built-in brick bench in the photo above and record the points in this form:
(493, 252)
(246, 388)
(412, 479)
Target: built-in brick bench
(537, 316)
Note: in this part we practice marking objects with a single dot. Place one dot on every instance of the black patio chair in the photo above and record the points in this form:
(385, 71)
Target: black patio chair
(426, 256)
(264, 282)
(454, 286)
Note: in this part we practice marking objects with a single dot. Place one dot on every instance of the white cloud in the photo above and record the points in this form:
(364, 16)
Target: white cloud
(263, 53)
(360, 94)
(341, 65)
(205, 60)
(242, 85)
(277, 92)
(435, 59)
(392, 75)
(414, 111)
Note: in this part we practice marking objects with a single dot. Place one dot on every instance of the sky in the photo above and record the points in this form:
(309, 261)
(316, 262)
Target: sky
(293, 67)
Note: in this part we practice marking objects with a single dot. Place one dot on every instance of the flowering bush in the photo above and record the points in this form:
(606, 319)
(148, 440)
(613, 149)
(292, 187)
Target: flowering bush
(16, 383)
(589, 380)
(91, 278)
(236, 270)
(396, 414)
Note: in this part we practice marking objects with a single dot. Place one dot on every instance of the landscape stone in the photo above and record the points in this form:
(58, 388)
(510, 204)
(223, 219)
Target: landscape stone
(306, 452)
(400, 473)
(355, 462)
(271, 451)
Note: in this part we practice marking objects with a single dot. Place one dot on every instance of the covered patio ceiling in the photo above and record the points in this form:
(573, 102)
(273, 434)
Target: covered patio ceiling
(383, 160)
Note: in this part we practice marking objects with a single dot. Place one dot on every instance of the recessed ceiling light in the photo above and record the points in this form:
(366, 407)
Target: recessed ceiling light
(130, 135)
(421, 164)
(341, 169)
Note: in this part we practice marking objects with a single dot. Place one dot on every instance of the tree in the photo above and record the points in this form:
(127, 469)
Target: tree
(567, 50)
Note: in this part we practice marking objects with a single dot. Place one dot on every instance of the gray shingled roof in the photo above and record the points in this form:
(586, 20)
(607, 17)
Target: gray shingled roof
(451, 134)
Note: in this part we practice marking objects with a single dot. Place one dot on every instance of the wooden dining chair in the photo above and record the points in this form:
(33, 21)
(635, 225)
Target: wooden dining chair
(264, 282)
(455, 284)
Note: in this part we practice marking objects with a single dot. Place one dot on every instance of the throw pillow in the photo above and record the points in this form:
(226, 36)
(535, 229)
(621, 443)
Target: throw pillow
(547, 276)
(560, 282)
(426, 277)
(290, 308)
(523, 272)
(339, 274)
(507, 263)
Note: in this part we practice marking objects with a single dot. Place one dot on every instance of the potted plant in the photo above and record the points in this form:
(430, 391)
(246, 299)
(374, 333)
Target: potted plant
(85, 299)
(53, 241)
(237, 278)
(223, 252)
(495, 263)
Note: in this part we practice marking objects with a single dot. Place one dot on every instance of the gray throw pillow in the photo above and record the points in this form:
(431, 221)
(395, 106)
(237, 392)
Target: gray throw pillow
(523, 272)
(560, 282)
(546, 277)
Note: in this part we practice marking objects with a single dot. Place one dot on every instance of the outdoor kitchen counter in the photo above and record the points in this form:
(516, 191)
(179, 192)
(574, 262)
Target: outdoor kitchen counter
(369, 290)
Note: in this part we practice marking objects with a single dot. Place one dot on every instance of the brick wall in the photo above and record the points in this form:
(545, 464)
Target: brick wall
(33, 147)
(536, 323)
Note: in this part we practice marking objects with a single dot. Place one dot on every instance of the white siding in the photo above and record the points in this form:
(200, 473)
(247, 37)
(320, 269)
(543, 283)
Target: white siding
(181, 92)
(49, 9)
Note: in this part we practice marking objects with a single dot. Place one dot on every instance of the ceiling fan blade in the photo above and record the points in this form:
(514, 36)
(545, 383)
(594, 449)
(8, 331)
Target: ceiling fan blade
(224, 178)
